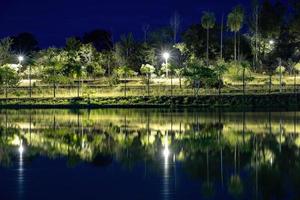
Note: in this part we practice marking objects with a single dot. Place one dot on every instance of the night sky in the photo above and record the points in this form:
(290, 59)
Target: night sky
(51, 21)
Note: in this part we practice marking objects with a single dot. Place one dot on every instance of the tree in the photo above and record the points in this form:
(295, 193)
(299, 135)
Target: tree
(124, 72)
(25, 43)
(107, 59)
(241, 72)
(197, 74)
(73, 66)
(253, 26)
(295, 21)
(72, 44)
(6, 55)
(221, 37)
(8, 78)
(52, 61)
(208, 22)
(179, 73)
(235, 21)
(129, 53)
(220, 68)
(147, 70)
(195, 43)
(270, 21)
(101, 39)
(94, 70)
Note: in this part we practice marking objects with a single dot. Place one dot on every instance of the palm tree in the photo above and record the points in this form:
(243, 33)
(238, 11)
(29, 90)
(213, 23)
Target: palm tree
(208, 21)
(235, 21)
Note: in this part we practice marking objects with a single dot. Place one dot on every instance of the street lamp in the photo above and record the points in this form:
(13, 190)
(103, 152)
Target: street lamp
(166, 56)
(271, 42)
(20, 59)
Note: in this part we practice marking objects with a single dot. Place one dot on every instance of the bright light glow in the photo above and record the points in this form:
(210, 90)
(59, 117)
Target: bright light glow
(166, 152)
(21, 58)
(21, 149)
(272, 42)
(166, 55)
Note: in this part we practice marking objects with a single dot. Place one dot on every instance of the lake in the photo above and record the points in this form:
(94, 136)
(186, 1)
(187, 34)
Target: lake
(148, 154)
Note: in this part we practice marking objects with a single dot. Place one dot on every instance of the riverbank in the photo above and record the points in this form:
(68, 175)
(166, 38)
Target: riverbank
(281, 101)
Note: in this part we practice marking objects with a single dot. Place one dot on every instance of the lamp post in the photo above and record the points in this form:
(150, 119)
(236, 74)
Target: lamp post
(20, 59)
(271, 43)
(166, 56)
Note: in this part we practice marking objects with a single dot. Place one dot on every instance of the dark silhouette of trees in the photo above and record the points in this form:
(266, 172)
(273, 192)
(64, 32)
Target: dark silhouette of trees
(100, 38)
(25, 43)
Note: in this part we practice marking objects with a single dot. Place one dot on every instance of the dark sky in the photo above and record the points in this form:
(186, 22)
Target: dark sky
(54, 20)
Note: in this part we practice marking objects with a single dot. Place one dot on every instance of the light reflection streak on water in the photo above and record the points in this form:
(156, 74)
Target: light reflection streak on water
(167, 189)
(20, 177)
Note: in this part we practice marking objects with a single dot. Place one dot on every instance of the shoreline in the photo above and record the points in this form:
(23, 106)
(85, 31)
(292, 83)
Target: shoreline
(206, 102)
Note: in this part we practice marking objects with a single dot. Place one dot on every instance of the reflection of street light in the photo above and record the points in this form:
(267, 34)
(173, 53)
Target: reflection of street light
(167, 176)
(166, 152)
(166, 56)
(21, 169)
(21, 148)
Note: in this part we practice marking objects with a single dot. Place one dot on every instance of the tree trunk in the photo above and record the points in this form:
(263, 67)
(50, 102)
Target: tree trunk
(256, 37)
(180, 82)
(222, 28)
(171, 84)
(30, 90)
(125, 85)
(207, 44)
(78, 87)
(239, 46)
(6, 94)
(270, 83)
(198, 88)
(148, 85)
(54, 82)
(219, 86)
(244, 86)
(280, 75)
(295, 82)
(234, 46)
(54, 90)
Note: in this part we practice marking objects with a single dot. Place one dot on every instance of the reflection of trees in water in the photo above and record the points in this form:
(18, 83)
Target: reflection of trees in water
(238, 158)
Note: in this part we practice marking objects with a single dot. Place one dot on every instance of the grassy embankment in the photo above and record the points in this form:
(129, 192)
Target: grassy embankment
(205, 101)
(100, 94)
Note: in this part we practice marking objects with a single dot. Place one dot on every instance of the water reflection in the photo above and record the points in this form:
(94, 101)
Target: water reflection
(212, 155)
(20, 170)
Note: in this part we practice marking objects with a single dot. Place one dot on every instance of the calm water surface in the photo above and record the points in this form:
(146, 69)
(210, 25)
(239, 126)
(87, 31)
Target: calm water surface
(148, 154)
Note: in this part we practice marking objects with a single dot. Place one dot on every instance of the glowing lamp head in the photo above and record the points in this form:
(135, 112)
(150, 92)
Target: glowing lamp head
(272, 42)
(166, 55)
(20, 58)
